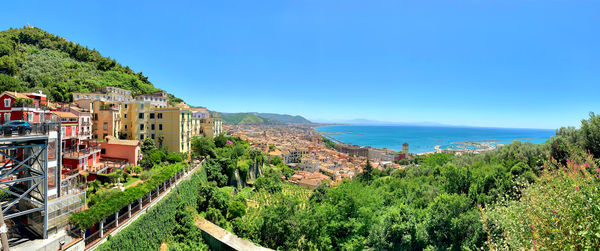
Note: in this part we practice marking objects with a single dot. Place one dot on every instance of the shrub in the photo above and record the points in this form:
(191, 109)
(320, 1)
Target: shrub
(560, 211)
(169, 220)
(110, 205)
(174, 158)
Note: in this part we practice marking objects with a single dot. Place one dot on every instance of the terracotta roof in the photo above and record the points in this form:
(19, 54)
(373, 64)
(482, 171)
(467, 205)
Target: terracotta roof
(19, 95)
(111, 140)
(65, 115)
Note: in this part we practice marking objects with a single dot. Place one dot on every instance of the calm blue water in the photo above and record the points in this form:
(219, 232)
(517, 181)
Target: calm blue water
(423, 139)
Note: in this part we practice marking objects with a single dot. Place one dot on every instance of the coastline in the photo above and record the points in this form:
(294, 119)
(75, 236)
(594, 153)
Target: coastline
(427, 139)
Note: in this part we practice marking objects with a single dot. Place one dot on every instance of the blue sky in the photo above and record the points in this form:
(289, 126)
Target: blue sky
(494, 63)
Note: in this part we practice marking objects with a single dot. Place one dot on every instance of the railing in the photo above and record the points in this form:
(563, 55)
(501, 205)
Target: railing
(123, 215)
(75, 153)
(37, 129)
(105, 165)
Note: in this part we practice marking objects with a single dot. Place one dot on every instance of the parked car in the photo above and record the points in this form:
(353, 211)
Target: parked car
(19, 126)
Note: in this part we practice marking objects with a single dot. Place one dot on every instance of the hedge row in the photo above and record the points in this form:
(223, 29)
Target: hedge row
(151, 229)
(87, 218)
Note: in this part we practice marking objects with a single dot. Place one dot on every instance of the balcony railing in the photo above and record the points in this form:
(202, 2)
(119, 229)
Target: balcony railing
(76, 153)
(37, 129)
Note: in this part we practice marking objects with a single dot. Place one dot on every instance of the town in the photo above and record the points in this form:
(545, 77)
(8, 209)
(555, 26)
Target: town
(51, 152)
(303, 149)
(101, 133)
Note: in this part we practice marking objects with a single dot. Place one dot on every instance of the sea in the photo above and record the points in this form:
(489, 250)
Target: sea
(423, 139)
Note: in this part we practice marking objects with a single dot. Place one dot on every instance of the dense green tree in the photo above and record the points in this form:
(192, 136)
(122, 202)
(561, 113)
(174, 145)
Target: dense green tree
(203, 147)
(590, 130)
(220, 140)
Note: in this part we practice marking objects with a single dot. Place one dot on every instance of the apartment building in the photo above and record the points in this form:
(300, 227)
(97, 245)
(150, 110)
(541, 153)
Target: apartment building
(174, 126)
(158, 99)
(106, 94)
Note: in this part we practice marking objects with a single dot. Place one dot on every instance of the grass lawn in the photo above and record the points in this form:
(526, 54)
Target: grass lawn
(131, 180)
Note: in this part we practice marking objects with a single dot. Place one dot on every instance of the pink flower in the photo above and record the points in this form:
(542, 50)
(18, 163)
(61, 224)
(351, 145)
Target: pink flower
(577, 188)
(229, 142)
(598, 170)
(586, 164)
(534, 197)
(554, 211)
(534, 241)
(532, 226)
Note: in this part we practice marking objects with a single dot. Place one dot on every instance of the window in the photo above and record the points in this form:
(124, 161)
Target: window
(160, 127)
(6, 117)
(153, 136)
(104, 135)
(142, 136)
(141, 115)
(103, 151)
(125, 127)
(125, 115)
(105, 125)
(142, 106)
(152, 127)
(6, 102)
(151, 115)
(159, 115)
(125, 106)
(141, 127)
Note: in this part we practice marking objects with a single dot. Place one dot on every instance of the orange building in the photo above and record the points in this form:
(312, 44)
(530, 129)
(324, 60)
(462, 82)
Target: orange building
(121, 149)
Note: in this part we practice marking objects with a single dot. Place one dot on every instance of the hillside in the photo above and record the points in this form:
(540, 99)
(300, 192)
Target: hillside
(245, 119)
(284, 118)
(32, 59)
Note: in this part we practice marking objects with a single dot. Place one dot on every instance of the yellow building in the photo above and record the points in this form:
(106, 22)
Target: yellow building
(142, 117)
(174, 126)
(167, 126)
(106, 117)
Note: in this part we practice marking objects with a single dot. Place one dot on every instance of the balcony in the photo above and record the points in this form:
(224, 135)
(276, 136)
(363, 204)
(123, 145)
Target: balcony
(37, 129)
(106, 165)
(77, 153)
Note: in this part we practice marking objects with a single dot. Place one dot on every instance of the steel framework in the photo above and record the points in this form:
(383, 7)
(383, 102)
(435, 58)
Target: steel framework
(24, 178)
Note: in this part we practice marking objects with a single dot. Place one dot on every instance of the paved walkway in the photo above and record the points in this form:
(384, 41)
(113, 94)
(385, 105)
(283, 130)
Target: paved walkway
(229, 240)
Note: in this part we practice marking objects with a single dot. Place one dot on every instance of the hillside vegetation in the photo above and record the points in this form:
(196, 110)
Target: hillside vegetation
(32, 59)
(252, 118)
(284, 118)
(521, 196)
(245, 119)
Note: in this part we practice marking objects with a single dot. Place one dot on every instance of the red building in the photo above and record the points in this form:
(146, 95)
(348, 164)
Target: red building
(24, 106)
(79, 153)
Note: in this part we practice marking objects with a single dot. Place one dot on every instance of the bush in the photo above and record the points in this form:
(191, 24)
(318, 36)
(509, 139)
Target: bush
(559, 212)
(174, 158)
(110, 205)
(169, 220)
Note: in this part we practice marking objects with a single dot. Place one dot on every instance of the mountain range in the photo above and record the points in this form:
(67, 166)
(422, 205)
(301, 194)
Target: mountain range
(248, 118)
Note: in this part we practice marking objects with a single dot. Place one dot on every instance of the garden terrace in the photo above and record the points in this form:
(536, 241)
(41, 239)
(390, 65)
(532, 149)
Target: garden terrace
(106, 215)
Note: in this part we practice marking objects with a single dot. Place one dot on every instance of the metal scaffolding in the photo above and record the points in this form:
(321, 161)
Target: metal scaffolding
(24, 180)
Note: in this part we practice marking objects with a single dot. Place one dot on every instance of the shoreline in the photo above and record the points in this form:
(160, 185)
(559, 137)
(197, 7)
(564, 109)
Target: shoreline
(456, 146)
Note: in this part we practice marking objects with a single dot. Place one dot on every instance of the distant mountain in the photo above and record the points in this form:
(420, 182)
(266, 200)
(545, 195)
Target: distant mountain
(245, 119)
(284, 118)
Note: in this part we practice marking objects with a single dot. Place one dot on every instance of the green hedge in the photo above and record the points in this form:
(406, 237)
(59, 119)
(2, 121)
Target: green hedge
(160, 223)
(96, 213)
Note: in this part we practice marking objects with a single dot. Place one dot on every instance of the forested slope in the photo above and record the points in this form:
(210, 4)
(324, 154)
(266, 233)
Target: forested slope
(32, 59)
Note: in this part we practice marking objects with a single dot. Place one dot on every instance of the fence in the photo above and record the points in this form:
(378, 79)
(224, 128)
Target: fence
(37, 129)
(96, 233)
